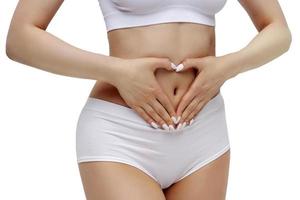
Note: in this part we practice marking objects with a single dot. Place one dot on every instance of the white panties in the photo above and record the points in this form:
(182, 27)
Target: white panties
(107, 131)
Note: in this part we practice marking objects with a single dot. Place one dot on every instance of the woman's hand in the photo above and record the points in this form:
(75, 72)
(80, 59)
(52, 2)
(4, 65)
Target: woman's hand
(211, 74)
(139, 88)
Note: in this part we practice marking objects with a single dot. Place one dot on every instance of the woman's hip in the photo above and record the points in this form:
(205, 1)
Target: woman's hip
(110, 129)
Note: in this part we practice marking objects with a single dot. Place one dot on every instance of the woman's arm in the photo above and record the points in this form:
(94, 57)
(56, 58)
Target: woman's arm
(274, 37)
(29, 43)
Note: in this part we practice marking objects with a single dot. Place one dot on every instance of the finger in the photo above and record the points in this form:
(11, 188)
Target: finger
(148, 108)
(146, 117)
(161, 112)
(186, 99)
(189, 63)
(174, 67)
(196, 111)
(189, 109)
(164, 63)
(166, 103)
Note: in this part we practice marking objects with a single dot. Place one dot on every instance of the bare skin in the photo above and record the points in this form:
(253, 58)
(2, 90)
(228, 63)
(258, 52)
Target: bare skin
(30, 44)
(158, 41)
(114, 181)
(175, 41)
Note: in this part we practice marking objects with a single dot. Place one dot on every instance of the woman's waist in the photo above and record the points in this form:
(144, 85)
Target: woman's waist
(173, 40)
(172, 83)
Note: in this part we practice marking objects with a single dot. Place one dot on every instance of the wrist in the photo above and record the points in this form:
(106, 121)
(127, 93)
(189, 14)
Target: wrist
(110, 69)
(232, 65)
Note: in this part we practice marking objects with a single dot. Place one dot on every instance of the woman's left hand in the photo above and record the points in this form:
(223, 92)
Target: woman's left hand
(211, 75)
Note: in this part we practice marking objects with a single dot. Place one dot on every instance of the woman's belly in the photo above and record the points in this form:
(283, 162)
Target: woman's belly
(175, 41)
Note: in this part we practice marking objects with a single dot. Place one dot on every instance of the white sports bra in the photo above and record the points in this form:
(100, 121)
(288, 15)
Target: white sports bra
(129, 13)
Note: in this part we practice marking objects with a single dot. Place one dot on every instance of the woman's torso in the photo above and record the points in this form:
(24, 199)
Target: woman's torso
(176, 41)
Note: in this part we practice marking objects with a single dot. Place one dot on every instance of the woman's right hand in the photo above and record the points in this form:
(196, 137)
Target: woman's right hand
(139, 88)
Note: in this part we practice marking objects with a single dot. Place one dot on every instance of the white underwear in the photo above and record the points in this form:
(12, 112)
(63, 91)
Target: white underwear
(107, 131)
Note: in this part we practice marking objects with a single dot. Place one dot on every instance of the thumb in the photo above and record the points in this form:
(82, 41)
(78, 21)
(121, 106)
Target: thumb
(188, 64)
(164, 63)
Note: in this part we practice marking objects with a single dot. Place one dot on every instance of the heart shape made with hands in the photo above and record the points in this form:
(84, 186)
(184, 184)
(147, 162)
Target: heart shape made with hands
(178, 67)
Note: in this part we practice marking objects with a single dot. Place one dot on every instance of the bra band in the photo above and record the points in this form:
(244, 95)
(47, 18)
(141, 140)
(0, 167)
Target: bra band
(132, 13)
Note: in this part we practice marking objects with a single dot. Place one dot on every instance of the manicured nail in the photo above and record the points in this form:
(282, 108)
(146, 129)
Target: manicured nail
(179, 126)
(154, 125)
(183, 125)
(173, 66)
(166, 127)
(171, 127)
(174, 119)
(191, 121)
(178, 119)
(179, 67)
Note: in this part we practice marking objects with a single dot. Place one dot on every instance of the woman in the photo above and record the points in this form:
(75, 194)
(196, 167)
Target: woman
(155, 119)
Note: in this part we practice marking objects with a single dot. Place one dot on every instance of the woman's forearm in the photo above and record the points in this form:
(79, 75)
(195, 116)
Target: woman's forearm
(271, 42)
(35, 47)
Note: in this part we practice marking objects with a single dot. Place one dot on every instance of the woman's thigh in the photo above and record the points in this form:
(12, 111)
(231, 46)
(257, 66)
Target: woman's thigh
(209, 182)
(114, 181)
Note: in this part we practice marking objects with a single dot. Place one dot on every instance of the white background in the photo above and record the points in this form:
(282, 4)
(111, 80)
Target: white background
(39, 111)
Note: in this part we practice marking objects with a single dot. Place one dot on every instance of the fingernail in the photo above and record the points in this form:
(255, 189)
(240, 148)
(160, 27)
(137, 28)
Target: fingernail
(191, 121)
(183, 125)
(154, 125)
(178, 119)
(179, 67)
(174, 119)
(179, 126)
(171, 127)
(173, 66)
(166, 127)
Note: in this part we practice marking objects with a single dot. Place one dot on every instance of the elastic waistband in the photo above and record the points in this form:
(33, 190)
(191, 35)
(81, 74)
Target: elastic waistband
(116, 110)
